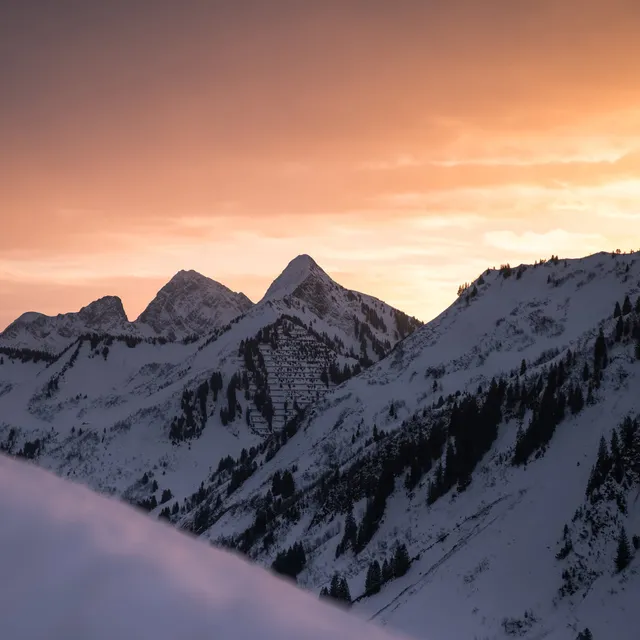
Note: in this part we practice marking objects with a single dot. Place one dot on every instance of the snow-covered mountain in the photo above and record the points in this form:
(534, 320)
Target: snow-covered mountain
(110, 408)
(191, 304)
(474, 444)
(299, 436)
(76, 565)
(52, 334)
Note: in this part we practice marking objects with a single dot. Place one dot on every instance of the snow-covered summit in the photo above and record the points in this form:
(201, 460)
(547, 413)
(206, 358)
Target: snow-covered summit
(191, 304)
(306, 289)
(77, 565)
(53, 333)
(295, 273)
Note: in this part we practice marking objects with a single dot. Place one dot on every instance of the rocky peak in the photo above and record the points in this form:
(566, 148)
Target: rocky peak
(191, 303)
(298, 271)
(103, 313)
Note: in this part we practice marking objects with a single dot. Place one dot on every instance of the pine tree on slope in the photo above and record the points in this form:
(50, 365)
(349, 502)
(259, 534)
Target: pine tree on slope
(623, 555)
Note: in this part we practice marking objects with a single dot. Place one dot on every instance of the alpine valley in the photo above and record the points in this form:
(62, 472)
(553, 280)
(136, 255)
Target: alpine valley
(476, 477)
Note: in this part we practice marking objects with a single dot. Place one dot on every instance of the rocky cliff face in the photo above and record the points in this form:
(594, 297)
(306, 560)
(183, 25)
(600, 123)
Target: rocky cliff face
(191, 304)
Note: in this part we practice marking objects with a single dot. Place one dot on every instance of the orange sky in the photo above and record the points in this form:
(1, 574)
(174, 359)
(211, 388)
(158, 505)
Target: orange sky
(405, 145)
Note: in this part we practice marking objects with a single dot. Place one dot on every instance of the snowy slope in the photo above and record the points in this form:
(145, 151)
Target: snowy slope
(76, 565)
(54, 333)
(191, 304)
(485, 562)
(484, 552)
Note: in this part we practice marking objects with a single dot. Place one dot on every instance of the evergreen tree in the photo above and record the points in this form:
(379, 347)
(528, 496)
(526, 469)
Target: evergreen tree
(401, 561)
(617, 312)
(231, 399)
(350, 534)
(619, 329)
(376, 506)
(600, 469)
(585, 635)
(576, 399)
(600, 352)
(344, 593)
(339, 589)
(373, 579)
(637, 309)
(288, 486)
(626, 306)
(387, 571)
(276, 484)
(623, 554)
(335, 586)
(523, 367)
(290, 562)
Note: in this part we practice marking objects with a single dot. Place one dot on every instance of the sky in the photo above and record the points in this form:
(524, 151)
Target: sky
(406, 145)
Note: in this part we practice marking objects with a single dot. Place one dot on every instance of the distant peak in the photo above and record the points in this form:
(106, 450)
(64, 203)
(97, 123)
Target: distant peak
(303, 260)
(184, 276)
(30, 316)
(106, 302)
(295, 273)
(107, 306)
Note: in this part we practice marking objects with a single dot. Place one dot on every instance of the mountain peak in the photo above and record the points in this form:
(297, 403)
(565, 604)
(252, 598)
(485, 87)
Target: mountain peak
(191, 303)
(106, 309)
(190, 277)
(294, 274)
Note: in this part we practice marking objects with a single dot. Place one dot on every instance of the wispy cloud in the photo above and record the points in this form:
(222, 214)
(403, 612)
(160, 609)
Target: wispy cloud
(529, 243)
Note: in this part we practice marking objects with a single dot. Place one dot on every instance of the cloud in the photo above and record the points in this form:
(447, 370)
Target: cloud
(400, 162)
(558, 241)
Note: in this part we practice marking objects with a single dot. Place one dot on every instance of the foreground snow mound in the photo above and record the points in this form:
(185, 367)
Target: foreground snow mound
(76, 565)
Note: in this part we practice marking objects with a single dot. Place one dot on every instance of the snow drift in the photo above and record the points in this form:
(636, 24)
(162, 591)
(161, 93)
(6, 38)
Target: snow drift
(77, 565)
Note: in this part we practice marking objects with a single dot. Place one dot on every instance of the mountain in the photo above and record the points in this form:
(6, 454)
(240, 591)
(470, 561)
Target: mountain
(482, 451)
(489, 462)
(111, 408)
(98, 570)
(52, 334)
(191, 304)
(367, 326)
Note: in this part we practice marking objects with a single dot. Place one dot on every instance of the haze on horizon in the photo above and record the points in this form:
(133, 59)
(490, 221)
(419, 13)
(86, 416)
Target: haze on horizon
(406, 146)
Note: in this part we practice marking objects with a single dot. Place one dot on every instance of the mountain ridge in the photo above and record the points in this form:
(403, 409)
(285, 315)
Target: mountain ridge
(436, 444)
(189, 306)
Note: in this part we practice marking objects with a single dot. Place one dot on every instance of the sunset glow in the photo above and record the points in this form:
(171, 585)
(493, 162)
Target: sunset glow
(406, 146)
